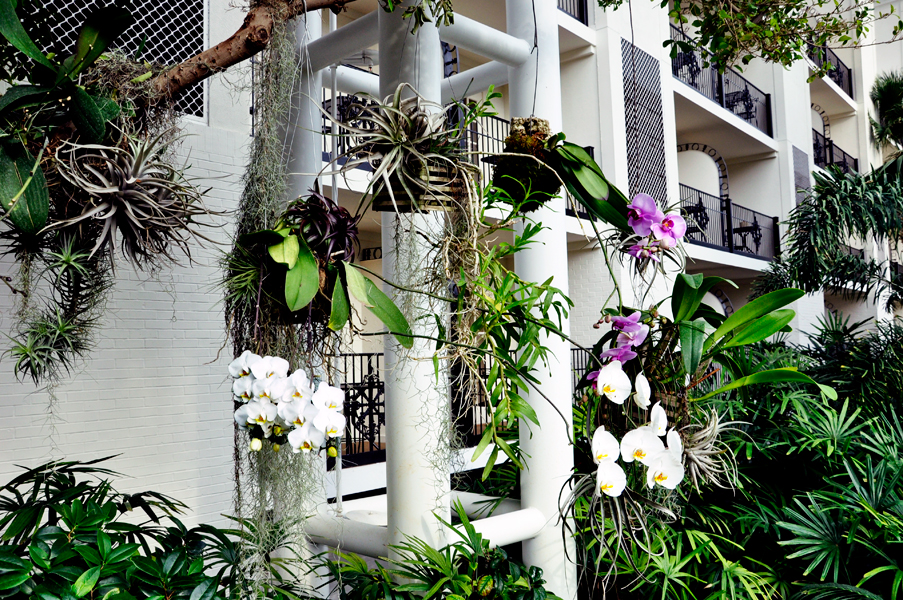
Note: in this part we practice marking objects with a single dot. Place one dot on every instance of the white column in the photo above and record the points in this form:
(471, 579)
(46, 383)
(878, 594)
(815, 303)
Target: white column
(417, 407)
(304, 138)
(535, 89)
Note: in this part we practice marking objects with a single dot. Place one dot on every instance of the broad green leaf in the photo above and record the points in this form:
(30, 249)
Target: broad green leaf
(100, 29)
(784, 375)
(19, 95)
(11, 28)
(266, 237)
(381, 306)
(341, 307)
(762, 328)
(23, 193)
(205, 590)
(9, 581)
(601, 209)
(303, 280)
(755, 309)
(109, 108)
(692, 336)
(684, 295)
(357, 285)
(86, 116)
(286, 252)
(86, 582)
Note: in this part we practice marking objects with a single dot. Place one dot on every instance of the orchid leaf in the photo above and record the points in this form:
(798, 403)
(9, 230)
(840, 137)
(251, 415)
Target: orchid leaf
(11, 28)
(692, 337)
(689, 290)
(341, 308)
(286, 252)
(379, 304)
(303, 280)
(23, 191)
(100, 29)
(753, 310)
(19, 95)
(86, 116)
(783, 375)
(762, 328)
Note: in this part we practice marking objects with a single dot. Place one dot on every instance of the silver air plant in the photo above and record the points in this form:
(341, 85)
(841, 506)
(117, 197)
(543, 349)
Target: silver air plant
(707, 458)
(135, 194)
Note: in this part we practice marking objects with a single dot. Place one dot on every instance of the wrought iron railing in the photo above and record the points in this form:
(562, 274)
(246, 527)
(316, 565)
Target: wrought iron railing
(728, 88)
(826, 152)
(575, 8)
(719, 223)
(840, 74)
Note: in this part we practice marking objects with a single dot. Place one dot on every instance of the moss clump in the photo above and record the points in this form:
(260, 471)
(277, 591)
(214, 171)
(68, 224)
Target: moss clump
(524, 179)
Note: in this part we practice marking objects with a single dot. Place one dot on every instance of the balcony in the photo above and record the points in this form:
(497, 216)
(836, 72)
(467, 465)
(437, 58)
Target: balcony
(575, 8)
(826, 152)
(840, 74)
(719, 223)
(729, 89)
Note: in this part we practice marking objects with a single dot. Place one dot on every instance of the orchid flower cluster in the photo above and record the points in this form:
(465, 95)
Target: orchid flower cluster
(658, 232)
(664, 466)
(282, 407)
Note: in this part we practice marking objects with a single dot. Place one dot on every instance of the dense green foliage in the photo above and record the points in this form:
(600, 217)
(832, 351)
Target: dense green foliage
(887, 96)
(818, 507)
(815, 253)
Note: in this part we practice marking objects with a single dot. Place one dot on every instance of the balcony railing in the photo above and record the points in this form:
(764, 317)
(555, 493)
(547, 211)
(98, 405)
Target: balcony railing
(729, 89)
(719, 223)
(575, 8)
(826, 152)
(840, 74)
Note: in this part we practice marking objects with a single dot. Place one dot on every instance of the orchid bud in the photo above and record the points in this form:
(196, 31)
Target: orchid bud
(276, 447)
(332, 452)
(256, 445)
(607, 319)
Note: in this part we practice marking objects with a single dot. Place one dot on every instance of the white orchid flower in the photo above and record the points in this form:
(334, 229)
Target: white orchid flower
(241, 416)
(243, 388)
(241, 366)
(659, 424)
(297, 387)
(328, 397)
(613, 382)
(306, 439)
(666, 469)
(262, 413)
(270, 366)
(605, 446)
(297, 412)
(268, 389)
(641, 444)
(330, 422)
(610, 478)
(643, 393)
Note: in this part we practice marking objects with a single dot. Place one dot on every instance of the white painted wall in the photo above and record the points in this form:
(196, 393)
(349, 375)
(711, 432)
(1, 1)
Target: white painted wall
(698, 170)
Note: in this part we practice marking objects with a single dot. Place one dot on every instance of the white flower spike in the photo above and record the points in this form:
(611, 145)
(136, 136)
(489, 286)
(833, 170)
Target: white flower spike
(297, 387)
(605, 446)
(243, 388)
(610, 478)
(659, 424)
(613, 382)
(641, 445)
(328, 397)
(270, 366)
(330, 423)
(666, 469)
(306, 439)
(643, 394)
(241, 366)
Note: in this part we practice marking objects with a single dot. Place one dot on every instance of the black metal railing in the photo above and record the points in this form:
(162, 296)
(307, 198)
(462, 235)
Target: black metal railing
(580, 360)
(826, 152)
(575, 8)
(365, 416)
(840, 74)
(729, 88)
(484, 139)
(719, 223)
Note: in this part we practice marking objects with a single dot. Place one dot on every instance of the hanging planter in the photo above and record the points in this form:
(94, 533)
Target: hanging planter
(304, 265)
(531, 182)
(435, 186)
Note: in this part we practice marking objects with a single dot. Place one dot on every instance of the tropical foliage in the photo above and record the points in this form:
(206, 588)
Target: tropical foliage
(887, 96)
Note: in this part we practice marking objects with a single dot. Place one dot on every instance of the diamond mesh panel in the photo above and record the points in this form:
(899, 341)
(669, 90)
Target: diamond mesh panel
(801, 177)
(173, 29)
(644, 123)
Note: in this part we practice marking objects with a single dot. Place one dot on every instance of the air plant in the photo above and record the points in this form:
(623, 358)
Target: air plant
(707, 458)
(329, 229)
(136, 194)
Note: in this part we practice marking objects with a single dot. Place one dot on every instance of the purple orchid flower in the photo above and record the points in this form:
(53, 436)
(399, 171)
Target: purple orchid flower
(631, 321)
(672, 228)
(621, 353)
(634, 337)
(643, 213)
(645, 249)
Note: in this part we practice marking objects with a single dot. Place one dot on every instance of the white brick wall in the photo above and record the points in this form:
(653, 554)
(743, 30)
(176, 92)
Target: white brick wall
(152, 391)
(589, 286)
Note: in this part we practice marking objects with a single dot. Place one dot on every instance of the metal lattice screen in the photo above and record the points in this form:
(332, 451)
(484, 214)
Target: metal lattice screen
(645, 126)
(172, 31)
(801, 177)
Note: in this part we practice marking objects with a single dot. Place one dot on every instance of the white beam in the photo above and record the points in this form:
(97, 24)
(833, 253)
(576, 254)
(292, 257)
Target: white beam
(304, 136)
(474, 81)
(486, 41)
(354, 81)
(344, 41)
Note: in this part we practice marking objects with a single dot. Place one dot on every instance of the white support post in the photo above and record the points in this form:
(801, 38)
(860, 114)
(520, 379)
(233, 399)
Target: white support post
(304, 137)
(535, 89)
(417, 407)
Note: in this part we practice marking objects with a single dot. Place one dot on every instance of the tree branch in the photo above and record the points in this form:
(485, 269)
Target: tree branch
(253, 37)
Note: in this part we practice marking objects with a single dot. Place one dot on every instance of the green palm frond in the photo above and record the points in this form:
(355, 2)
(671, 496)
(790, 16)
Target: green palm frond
(887, 96)
(817, 534)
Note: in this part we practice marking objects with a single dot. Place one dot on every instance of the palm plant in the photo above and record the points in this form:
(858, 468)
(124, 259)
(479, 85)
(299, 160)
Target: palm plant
(887, 96)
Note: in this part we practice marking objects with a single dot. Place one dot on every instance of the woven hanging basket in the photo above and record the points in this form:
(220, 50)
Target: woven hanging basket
(445, 190)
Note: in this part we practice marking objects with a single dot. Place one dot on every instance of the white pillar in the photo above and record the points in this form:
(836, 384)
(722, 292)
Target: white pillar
(417, 407)
(535, 89)
(304, 138)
